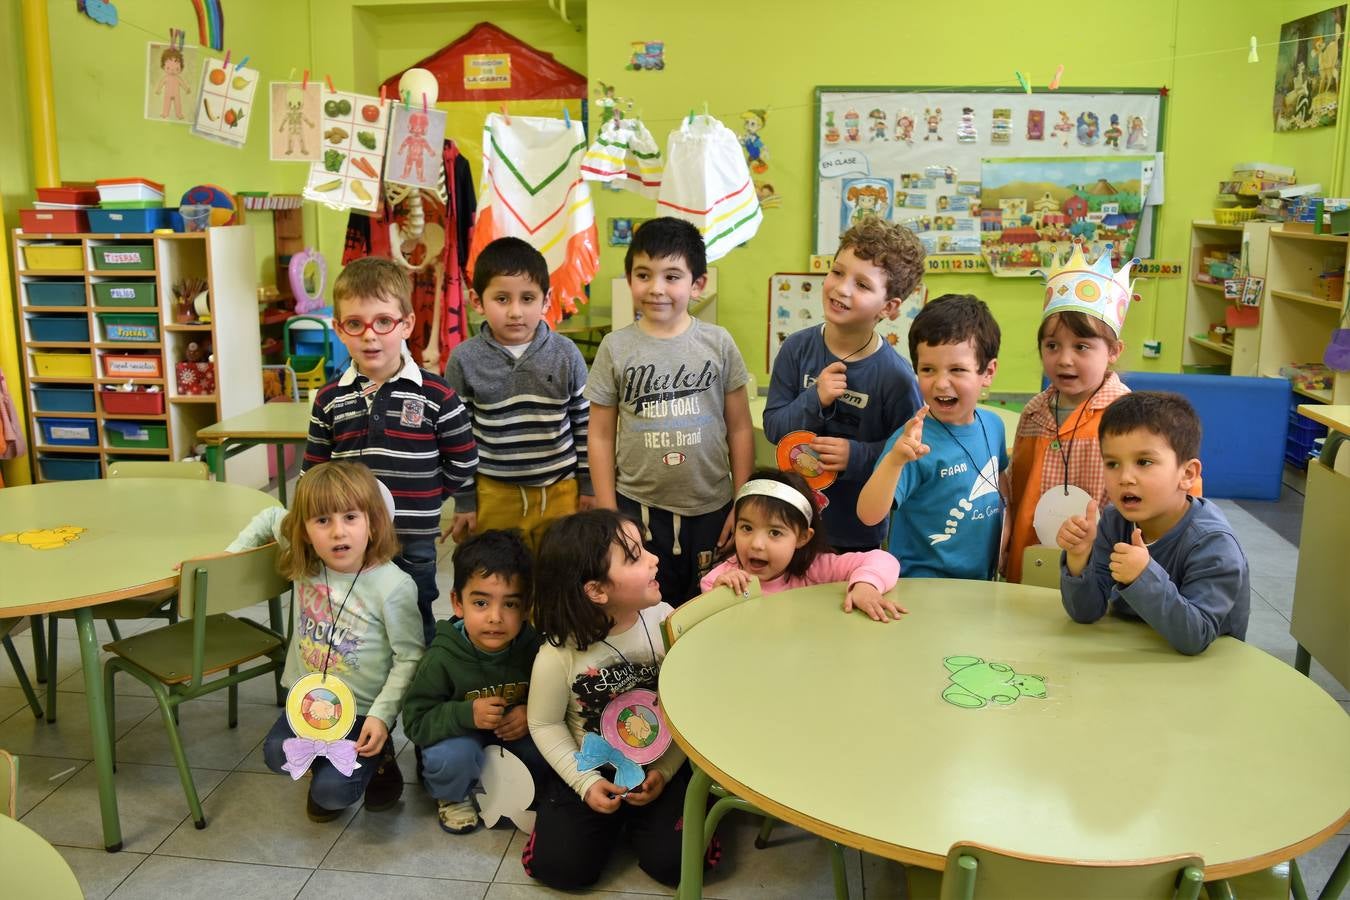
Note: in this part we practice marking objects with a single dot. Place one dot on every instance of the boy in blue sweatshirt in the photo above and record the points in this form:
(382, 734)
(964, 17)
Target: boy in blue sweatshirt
(522, 383)
(1156, 553)
(471, 685)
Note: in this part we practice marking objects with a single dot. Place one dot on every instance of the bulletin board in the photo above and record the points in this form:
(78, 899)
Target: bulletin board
(795, 303)
(915, 154)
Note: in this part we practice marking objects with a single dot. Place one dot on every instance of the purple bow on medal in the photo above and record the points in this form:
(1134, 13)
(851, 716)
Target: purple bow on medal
(300, 753)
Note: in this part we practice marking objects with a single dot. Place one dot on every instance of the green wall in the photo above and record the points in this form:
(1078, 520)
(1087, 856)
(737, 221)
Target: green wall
(730, 56)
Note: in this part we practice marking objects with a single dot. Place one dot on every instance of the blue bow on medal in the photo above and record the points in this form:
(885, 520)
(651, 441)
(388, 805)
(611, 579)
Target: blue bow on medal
(596, 752)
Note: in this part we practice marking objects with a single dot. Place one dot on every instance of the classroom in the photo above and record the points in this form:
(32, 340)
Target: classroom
(550, 401)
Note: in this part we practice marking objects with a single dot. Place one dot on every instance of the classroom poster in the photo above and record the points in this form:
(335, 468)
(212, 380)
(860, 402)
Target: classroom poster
(226, 106)
(795, 303)
(293, 123)
(171, 76)
(415, 138)
(354, 130)
(1308, 70)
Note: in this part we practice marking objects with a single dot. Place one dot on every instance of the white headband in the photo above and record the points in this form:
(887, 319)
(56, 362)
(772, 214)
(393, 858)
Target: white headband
(767, 487)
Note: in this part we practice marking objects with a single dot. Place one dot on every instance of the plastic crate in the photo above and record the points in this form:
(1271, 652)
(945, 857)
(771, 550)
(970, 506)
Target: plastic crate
(1234, 215)
(131, 365)
(116, 190)
(73, 194)
(68, 432)
(54, 293)
(54, 221)
(63, 365)
(138, 257)
(69, 468)
(124, 293)
(129, 328)
(54, 257)
(128, 221)
(137, 435)
(1304, 430)
(133, 403)
(54, 398)
(58, 328)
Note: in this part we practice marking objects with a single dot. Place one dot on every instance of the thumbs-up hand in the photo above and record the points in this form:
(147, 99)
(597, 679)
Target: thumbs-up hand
(831, 383)
(910, 446)
(1076, 536)
(1128, 561)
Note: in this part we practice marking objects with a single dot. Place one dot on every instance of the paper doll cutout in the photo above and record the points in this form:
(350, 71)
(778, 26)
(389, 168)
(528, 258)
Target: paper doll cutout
(294, 124)
(976, 683)
(171, 77)
(415, 137)
(44, 538)
(506, 789)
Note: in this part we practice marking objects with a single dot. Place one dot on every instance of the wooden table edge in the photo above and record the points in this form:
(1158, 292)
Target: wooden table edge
(90, 600)
(937, 862)
(218, 438)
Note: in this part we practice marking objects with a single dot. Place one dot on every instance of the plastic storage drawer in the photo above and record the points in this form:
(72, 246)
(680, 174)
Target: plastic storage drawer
(54, 293)
(50, 398)
(133, 403)
(126, 365)
(58, 328)
(137, 435)
(124, 293)
(125, 328)
(68, 432)
(128, 221)
(54, 257)
(63, 365)
(134, 257)
(74, 194)
(69, 468)
(54, 221)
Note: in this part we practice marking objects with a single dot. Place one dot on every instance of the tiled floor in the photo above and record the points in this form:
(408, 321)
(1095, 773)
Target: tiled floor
(258, 843)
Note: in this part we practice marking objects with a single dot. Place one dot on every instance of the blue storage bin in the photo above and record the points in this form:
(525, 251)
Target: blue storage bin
(58, 328)
(128, 221)
(55, 293)
(68, 432)
(69, 468)
(54, 398)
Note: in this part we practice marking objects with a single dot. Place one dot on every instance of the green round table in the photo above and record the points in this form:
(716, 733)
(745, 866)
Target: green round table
(32, 867)
(839, 725)
(135, 531)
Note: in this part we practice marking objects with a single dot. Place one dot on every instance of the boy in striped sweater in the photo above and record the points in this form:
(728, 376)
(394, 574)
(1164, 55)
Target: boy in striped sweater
(523, 386)
(404, 423)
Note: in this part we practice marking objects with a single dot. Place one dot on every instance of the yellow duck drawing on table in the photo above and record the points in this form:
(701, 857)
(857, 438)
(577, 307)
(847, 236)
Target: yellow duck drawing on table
(44, 538)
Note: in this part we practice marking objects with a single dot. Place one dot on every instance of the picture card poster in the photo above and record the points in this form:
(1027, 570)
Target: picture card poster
(416, 134)
(914, 155)
(225, 109)
(795, 303)
(171, 76)
(354, 131)
(1308, 70)
(293, 126)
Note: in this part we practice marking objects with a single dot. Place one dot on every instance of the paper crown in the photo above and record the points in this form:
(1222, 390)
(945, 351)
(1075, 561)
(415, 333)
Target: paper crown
(1092, 289)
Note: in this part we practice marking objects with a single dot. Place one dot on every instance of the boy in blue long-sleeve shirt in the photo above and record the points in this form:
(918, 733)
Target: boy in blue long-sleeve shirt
(842, 381)
(1156, 553)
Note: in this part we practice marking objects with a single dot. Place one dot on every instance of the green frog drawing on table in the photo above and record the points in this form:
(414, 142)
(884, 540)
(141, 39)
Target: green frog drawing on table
(976, 683)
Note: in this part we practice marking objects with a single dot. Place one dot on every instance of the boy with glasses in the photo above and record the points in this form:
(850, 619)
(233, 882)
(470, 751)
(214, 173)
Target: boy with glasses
(404, 423)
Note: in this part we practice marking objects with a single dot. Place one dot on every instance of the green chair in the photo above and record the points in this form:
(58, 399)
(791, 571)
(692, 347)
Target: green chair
(1040, 566)
(9, 784)
(7, 628)
(977, 872)
(175, 661)
(696, 810)
(160, 604)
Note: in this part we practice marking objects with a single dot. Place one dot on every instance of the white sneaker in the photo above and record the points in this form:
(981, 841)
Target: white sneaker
(457, 818)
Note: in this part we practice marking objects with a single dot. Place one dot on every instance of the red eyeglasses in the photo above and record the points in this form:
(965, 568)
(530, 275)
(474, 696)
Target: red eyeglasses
(354, 327)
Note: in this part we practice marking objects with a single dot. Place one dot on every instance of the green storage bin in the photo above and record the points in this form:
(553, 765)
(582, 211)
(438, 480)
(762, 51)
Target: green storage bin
(136, 435)
(124, 293)
(129, 327)
(54, 293)
(135, 257)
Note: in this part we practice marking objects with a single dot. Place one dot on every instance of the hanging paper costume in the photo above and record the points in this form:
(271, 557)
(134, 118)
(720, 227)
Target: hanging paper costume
(625, 154)
(531, 188)
(706, 182)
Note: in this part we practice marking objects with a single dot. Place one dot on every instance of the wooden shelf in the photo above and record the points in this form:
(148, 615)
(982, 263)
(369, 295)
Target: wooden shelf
(49, 379)
(1306, 298)
(60, 345)
(65, 415)
(1215, 226)
(138, 451)
(123, 273)
(1207, 286)
(1308, 236)
(55, 309)
(52, 273)
(128, 345)
(43, 448)
(190, 328)
(119, 417)
(194, 398)
(1225, 349)
(124, 380)
(1323, 396)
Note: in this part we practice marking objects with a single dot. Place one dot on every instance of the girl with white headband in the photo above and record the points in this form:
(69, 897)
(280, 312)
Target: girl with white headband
(780, 541)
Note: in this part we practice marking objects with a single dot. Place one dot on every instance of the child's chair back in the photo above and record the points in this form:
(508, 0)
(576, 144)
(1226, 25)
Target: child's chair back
(701, 607)
(9, 784)
(220, 584)
(977, 872)
(1040, 566)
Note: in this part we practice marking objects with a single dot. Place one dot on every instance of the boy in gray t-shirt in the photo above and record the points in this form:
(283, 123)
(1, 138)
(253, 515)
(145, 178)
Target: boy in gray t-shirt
(670, 433)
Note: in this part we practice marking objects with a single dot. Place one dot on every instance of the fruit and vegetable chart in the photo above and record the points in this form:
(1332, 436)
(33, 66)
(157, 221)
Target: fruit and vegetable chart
(354, 139)
(226, 106)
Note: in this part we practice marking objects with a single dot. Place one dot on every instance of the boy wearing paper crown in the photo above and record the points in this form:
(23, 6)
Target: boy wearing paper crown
(1056, 458)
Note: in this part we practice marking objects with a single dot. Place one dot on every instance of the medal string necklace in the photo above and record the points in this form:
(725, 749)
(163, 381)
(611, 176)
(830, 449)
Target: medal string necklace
(332, 628)
(643, 623)
(1065, 453)
(979, 469)
(855, 352)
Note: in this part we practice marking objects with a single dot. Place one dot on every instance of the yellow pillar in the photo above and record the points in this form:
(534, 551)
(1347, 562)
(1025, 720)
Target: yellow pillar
(41, 100)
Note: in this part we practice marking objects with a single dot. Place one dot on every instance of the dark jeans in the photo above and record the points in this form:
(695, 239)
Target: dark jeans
(572, 842)
(418, 559)
(328, 787)
(450, 768)
(678, 573)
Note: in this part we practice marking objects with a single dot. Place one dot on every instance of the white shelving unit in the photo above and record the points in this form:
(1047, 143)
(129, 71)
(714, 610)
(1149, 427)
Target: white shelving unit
(1205, 303)
(1297, 324)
